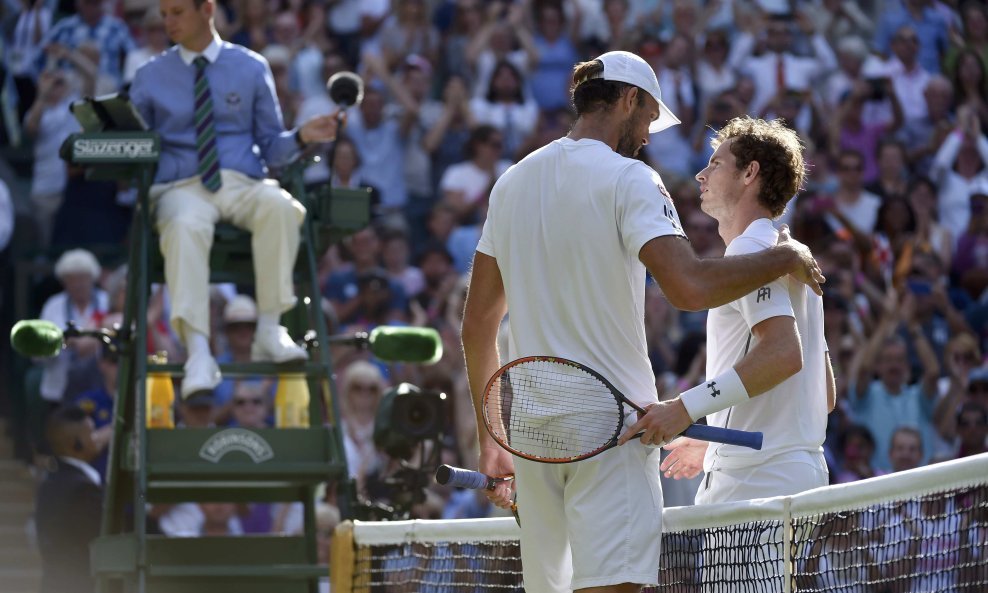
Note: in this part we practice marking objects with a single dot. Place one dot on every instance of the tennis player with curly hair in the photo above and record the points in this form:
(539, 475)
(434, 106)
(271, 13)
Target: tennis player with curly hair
(772, 339)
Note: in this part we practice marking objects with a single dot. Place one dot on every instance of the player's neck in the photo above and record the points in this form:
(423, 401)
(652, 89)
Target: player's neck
(732, 226)
(596, 127)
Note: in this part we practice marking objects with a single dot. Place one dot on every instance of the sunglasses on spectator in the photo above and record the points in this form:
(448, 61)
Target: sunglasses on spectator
(979, 387)
(365, 387)
(967, 423)
(243, 401)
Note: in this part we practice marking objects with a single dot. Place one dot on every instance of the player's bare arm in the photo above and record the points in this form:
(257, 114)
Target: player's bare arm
(695, 284)
(483, 311)
(776, 356)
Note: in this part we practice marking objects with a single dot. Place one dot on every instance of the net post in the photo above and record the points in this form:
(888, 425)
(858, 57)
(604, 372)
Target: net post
(787, 546)
(342, 558)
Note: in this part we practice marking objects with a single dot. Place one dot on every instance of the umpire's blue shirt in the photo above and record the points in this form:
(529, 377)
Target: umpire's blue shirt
(250, 133)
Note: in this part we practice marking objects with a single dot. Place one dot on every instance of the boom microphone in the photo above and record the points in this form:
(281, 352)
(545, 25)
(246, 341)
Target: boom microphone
(36, 338)
(397, 344)
(345, 89)
(406, 344)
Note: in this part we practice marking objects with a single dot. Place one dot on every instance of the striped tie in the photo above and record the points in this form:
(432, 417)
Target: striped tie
(209, 162)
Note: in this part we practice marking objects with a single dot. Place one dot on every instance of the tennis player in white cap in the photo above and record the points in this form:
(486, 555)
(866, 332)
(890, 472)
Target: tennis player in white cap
(569, 235)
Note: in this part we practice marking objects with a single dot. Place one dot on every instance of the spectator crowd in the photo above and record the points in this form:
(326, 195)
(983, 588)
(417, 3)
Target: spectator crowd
(890, 98)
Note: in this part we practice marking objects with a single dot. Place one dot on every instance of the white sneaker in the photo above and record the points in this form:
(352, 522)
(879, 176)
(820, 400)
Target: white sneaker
(202, 375)
(273, 344)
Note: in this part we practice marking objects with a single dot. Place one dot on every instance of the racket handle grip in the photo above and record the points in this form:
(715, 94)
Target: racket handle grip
(728, 436)
(463, 478)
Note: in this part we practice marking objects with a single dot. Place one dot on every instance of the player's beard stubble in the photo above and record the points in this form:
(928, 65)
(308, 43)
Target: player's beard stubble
(629, 142)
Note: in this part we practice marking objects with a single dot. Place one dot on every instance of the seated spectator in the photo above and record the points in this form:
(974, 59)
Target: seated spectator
(363, 249)
(439, 276)
(893, 171)
(91, 21)
(467, 185)
(550, 78)
(970, 265)
(445, 140)
(255, 26)
(504, 37)
(408, 31)
(48, 123)
(971, 84)
(883, 398)
(155, 41)
(931, 236)
(361, 390)
(713, 74)
(972, 429)
(69, 504)
(851, 129)
(240, 325)
(905, 449)
(82, 302)
(923, 137)
(395, 257)
(505, 106)
(959, 166)
(98, 405)
(218, 519)
(851, 211)
(857, 448)
(380, 143)
(251, 405)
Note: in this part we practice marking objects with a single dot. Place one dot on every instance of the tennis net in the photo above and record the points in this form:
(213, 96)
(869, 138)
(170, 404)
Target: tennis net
(921, 531)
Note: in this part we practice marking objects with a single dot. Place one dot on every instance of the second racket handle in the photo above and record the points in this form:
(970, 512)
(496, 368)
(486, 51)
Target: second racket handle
(463, 478)
(728, 436)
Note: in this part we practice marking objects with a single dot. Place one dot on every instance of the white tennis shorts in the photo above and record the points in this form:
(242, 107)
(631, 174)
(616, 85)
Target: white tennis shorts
(784, 474)
(590, 523)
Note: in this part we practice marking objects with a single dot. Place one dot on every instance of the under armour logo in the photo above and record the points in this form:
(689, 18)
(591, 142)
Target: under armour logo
(764, 293)
(714, 392)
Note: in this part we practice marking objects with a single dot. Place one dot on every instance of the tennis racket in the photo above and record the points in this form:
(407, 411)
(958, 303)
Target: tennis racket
(465, 478)
(554, 410)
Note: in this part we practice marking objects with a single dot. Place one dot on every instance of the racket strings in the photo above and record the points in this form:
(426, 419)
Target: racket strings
(552, 411)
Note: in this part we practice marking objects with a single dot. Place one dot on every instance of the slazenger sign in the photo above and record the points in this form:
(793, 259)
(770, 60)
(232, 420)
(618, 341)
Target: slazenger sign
(112, 149)
(236, 439)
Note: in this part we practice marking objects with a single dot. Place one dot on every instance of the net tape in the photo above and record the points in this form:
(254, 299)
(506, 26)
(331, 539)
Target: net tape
(920, 531)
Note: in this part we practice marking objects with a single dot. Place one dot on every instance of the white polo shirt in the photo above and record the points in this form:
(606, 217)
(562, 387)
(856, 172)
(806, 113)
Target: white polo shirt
(566, 225)
(793, 414)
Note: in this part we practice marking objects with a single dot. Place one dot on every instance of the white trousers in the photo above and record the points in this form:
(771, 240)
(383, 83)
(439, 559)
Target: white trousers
(185, 216)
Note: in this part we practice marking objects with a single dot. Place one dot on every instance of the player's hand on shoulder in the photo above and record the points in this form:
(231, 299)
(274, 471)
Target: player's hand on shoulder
(661, 423)
(685, 458)
(808, 271)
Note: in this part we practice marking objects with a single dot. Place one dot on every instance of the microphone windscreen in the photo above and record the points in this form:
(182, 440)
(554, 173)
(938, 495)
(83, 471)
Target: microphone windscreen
(345, 89)
(406, 344)
(36, 338)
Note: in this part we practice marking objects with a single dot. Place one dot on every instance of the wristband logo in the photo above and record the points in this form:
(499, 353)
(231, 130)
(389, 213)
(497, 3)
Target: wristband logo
(764, 294)
(712, 386)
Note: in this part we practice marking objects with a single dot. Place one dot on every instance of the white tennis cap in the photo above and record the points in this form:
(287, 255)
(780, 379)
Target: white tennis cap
(623, 66)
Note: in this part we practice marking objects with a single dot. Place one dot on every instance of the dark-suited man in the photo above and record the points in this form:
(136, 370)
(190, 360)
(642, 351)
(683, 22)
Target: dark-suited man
(69, 504)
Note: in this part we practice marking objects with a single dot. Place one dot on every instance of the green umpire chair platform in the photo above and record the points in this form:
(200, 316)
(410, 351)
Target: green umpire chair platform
(166, 466)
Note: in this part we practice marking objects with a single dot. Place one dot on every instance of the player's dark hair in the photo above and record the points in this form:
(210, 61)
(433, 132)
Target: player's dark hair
(591, 93)
(778, 152)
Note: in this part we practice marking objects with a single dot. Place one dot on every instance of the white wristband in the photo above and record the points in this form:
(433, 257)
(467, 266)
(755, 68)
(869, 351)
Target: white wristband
(714, 395)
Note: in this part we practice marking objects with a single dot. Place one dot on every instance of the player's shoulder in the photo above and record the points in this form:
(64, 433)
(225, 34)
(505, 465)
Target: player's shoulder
(759, 236)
